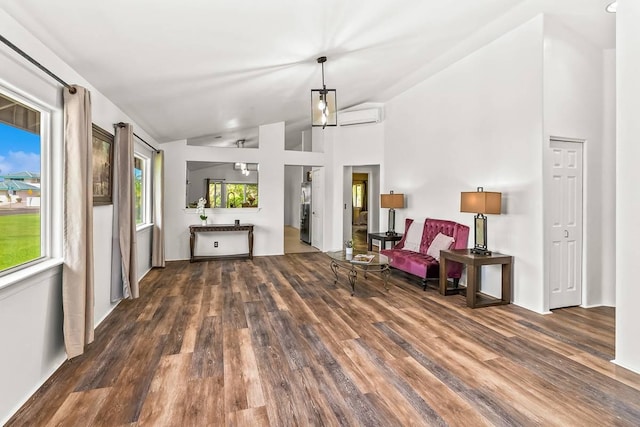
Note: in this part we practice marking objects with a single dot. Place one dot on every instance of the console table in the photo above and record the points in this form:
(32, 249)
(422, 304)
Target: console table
(194, 229)
(474, 262)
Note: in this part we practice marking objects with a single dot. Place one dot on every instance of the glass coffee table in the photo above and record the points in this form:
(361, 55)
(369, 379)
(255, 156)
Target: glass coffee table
(365, 261)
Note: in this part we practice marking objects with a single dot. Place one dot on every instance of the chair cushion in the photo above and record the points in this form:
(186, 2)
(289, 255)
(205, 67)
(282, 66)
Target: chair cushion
(440, 242)
(413, 237)
(412, 262)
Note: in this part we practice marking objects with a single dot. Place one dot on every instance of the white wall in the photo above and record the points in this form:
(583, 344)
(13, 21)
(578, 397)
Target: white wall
(477, 123)
(608, 232)
(31, 307)
(573, 108)
(268, 218)
(628, 176)
(345, 146)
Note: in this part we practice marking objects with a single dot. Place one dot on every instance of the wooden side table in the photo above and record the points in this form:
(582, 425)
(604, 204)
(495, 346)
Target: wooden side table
(474, 263)
(383, 238)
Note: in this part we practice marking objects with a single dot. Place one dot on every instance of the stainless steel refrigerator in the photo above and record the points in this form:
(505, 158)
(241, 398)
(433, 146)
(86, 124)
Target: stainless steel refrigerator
(305, 213)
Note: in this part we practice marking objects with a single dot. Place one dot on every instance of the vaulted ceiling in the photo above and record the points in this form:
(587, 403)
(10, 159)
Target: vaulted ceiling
(202, 69)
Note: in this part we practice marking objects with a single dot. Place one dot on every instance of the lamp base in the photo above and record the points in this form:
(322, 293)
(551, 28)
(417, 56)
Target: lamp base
(391, 226)
(477, 251)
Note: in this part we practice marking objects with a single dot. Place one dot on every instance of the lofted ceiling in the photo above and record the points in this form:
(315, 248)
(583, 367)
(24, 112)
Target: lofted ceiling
(211, 71)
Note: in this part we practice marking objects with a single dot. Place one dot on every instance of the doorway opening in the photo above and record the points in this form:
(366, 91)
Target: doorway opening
(298, 210)
(361, 204)
(360, 209)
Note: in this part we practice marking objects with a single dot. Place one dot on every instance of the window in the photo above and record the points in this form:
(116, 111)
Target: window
(140, 186)
(214, 196)
(357, 195)
(21, 144)
(232, 195)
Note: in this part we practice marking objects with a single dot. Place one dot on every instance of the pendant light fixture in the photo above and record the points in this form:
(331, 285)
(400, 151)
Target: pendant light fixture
(323, 103)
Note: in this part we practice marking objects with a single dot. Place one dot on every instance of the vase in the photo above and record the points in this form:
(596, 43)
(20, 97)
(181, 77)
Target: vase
(349, 251)
(203, 221)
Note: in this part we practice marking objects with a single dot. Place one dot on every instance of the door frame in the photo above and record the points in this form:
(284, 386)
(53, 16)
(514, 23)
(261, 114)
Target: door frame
(546, 190)
(373, 197)
(318, 202)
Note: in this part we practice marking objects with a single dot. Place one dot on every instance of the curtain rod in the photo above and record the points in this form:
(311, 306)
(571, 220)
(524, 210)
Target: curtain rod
(37, 64)
(56, 78)
(121, 125)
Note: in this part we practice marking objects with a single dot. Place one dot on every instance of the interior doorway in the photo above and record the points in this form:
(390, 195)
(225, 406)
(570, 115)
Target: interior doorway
(359, 209)
(297, 209)
(361, 203)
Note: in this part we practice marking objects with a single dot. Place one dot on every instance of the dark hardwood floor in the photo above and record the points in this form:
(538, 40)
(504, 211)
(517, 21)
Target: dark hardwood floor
(274, 342)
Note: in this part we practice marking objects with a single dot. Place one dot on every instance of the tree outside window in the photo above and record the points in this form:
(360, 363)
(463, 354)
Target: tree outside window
(232, 195)
(139, 190)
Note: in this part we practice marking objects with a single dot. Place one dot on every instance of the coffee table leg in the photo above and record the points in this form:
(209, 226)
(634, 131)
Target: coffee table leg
(353, 276)
(386, 273)
(334, 268)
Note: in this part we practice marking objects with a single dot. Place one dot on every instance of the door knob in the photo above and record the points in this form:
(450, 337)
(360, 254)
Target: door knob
(566, 233)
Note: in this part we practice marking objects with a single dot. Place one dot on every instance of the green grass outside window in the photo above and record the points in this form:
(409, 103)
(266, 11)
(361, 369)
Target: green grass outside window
(19, 239)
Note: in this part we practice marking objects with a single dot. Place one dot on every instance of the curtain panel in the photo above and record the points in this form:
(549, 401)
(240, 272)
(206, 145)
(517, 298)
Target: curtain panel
(77, 271)
(126, 210)
(157, 246)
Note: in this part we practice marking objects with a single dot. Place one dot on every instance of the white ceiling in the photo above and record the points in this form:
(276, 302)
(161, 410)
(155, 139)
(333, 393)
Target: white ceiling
(198, 69)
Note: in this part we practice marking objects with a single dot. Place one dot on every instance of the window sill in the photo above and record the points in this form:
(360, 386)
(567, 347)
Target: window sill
(28, 272)
(143, 227)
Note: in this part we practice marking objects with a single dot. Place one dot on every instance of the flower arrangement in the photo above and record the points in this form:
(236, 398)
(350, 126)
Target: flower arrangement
(348, 248)
(200, 208)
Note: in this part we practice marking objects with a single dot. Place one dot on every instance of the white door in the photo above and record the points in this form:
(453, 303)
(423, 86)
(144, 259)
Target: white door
(317, 207)
(565, 208)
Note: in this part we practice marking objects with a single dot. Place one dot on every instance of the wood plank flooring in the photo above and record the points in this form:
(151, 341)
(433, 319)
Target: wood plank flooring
(293, 244)
(274, 342)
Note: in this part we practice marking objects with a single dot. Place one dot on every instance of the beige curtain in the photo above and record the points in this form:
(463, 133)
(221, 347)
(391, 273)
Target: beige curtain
(77, 272)
(126, 210)
(157, 248)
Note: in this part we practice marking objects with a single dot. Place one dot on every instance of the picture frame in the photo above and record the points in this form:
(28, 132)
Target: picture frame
(102, 154)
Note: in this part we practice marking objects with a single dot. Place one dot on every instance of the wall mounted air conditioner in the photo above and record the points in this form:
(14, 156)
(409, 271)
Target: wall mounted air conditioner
(359, 117)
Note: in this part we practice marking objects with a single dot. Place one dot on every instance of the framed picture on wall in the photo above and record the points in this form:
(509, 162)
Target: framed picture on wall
(102, 166)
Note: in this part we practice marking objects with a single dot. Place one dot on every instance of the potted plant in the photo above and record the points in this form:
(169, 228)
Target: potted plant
(200, 210)
(348, 247)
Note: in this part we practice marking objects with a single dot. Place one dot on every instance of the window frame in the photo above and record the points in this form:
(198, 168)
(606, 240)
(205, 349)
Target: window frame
(146, 189)
(48, 157)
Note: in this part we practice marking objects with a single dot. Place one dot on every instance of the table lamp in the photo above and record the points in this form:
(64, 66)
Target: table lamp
(480, 202)
(392, 201)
